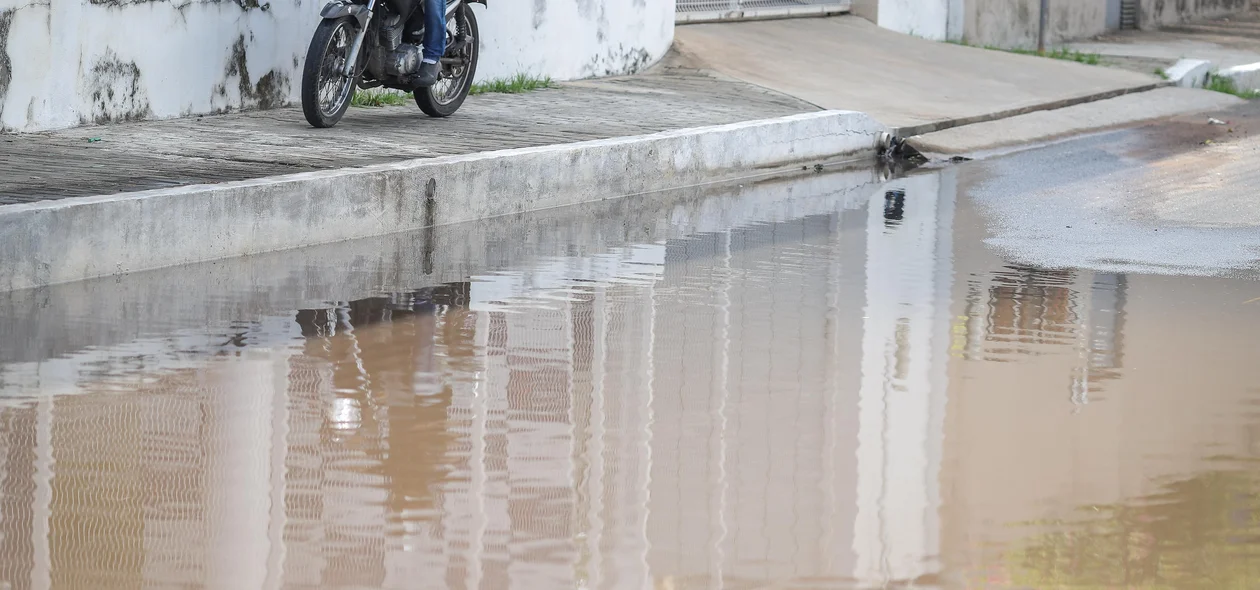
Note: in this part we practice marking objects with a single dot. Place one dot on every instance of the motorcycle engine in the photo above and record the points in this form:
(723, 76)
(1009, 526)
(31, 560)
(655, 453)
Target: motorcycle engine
(394, 58)
(403, 60)
(391, 32)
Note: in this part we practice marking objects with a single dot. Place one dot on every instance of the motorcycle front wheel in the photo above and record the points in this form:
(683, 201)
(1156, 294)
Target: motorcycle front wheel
(326, 91)
(447, 95)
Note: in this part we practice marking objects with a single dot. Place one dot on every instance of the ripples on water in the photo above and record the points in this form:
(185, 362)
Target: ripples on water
(821, 384)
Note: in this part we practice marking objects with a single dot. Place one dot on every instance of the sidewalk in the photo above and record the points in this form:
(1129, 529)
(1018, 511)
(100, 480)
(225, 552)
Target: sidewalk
(212, 149)
(900, 80)
(951, 99)
(803, 65)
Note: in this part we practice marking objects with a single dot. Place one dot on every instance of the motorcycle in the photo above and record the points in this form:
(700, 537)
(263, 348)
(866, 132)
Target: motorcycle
(360, 44)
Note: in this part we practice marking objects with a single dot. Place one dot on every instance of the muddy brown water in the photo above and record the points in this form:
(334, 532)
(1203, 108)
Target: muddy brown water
(830, 382)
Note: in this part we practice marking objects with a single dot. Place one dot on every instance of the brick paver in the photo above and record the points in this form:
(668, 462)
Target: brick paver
(139, 156)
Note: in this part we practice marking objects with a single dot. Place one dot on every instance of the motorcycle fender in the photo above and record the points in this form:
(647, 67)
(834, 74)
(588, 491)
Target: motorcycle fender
(335, 10)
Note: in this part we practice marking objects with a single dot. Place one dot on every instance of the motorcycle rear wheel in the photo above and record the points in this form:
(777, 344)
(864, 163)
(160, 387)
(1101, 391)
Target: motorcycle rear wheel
(326, 92)
(447, 95)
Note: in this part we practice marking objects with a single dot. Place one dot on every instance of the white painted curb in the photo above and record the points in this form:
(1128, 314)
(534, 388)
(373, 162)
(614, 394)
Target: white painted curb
(1190, 73)
(1245, 77)
(79, 238)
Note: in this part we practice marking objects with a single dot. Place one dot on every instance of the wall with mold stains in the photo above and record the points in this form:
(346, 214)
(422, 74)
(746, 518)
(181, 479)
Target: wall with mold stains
(1015, 23)
(573, 39)
(1157, 13)
(73, 62)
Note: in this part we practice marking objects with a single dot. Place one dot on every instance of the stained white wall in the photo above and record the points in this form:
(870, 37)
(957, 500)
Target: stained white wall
(71, 62)
(573, 39)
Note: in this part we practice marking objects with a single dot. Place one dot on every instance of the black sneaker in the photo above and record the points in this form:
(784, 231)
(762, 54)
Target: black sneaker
(428, 75)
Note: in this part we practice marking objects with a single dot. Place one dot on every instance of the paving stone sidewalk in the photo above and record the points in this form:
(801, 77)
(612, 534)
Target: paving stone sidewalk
(148, 155)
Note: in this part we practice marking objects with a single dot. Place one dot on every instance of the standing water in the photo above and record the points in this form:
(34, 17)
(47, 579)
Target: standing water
(829, 382)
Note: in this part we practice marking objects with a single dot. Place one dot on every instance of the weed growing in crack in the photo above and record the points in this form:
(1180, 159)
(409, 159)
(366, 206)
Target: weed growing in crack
(515, 85)
(1091, 59)
(379, 98)
(1220, 83)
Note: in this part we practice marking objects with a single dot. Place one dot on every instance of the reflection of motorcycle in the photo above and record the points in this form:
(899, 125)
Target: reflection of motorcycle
(360, 44)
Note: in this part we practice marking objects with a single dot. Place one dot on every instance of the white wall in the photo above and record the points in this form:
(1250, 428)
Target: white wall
(922, 18)
(71, 62)
(572, 39)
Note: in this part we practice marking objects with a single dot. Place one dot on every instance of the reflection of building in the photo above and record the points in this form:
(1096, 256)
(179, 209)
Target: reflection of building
(1031, 306)
(752, 439)
(124, 485)
(797, 419)
(751, 403)
(1103, 334)
(902, 398)
(1032, 311)
(558, 423)
(1076, 392)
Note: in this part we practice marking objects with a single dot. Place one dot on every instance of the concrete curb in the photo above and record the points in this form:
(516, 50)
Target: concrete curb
(251, 289)
(1190, 73)
(73, 239)
(750, 14)
(913, 130)
(1246, 77)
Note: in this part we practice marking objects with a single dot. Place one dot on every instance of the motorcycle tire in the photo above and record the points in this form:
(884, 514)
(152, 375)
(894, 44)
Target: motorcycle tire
(445, 97)
(326, 93)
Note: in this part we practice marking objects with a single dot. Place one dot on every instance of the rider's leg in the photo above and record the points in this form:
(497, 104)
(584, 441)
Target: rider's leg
(434, 30)
(434, 42)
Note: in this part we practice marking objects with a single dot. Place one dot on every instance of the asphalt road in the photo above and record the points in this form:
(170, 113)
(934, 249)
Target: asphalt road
(1174, 197)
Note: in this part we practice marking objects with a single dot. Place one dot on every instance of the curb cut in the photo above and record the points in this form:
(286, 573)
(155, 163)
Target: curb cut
(1190, 73)
(73, 239)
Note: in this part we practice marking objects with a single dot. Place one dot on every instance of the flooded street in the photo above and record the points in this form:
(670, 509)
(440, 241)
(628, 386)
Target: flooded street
(836, 381)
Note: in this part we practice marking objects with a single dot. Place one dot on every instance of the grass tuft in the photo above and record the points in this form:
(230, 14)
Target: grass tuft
(1161, 73)
(1227, 86)
(514, 85)
(1092, 59)
(379, 98)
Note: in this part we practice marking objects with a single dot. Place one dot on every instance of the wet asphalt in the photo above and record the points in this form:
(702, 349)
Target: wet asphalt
(1172, 197)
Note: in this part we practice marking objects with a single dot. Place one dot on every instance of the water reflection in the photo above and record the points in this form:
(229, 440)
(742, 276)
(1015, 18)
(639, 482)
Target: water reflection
(831, 383)
(1199, 532)
(1032, 311)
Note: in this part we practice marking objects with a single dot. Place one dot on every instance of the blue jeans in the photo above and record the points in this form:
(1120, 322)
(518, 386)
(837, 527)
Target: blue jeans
(434, 30)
